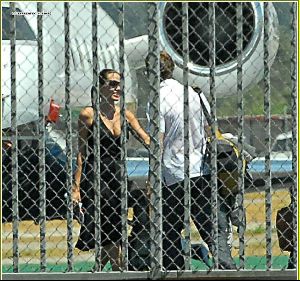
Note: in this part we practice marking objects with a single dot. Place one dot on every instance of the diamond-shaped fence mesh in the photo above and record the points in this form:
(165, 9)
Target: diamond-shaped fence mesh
(154, 164)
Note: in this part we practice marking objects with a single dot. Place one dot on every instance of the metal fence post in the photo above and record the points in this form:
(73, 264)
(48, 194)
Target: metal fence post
(124, 176)
(294, 192)
(240, 96)
(267, 114)
(96, 137)
(214, 183)
(155, 152)
(187, 186)
(14, 137)
(70, 252)
(42, 180)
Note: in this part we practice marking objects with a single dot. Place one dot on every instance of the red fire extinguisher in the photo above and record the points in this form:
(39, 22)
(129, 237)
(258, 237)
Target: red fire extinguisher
(53, 114)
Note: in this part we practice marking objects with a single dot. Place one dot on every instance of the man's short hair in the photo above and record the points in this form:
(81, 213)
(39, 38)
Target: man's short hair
(166, 65)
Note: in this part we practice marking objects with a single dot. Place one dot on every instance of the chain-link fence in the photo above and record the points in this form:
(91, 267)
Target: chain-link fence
(145, 169)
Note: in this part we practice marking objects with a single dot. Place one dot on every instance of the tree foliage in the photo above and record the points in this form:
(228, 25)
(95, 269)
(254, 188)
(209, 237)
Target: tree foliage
(280, 80)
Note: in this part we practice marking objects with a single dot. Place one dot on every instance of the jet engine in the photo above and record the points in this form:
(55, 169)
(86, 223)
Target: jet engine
(226, 42)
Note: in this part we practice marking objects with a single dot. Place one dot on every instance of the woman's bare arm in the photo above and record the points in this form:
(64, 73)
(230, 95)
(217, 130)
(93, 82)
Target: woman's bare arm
(76, 185)
(85, 121)
(137, 127)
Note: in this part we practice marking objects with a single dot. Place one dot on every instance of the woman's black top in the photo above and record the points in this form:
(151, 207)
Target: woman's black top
(110, 191)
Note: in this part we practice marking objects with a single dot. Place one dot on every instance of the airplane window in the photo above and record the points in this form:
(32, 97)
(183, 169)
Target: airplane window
(24, 31)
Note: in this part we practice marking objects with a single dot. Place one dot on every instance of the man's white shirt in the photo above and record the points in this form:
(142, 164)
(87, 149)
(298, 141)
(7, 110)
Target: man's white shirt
(172, 126)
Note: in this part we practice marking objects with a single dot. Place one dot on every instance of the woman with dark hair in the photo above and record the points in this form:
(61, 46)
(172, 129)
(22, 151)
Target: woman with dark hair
(110, 181)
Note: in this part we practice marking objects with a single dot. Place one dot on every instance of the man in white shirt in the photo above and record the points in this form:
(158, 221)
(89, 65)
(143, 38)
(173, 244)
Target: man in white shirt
(172, 129)
(172, 126)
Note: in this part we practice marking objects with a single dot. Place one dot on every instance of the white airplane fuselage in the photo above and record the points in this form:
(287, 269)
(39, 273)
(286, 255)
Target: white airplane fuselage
(81, 71)
(136, 49)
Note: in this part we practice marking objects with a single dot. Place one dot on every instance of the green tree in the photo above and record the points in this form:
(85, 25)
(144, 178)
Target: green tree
(280, 80)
